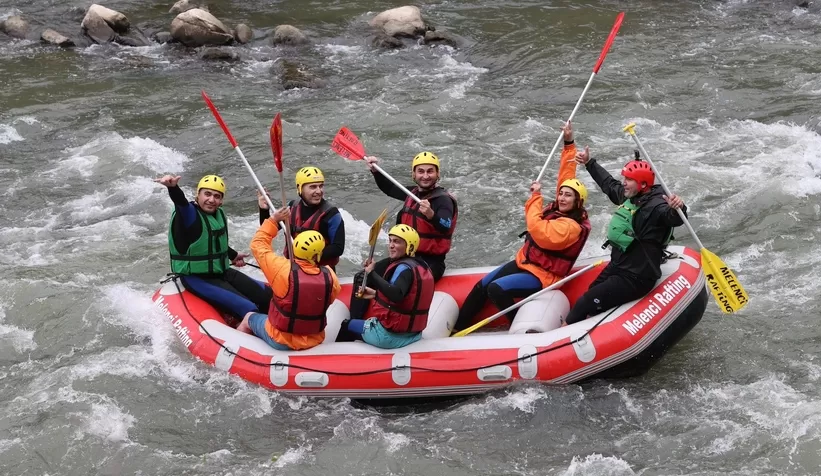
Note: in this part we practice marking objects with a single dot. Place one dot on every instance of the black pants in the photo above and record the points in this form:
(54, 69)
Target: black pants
(501, 292)
(233, 293)
(436, 264)
(610, 289)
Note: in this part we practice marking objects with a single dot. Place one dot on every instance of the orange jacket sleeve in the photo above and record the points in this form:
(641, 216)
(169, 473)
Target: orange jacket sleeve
(560, 233)
(275, 268)
(337, 288)
(567, 165)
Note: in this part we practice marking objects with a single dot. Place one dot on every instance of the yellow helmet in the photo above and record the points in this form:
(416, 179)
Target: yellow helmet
(408, 234)
(211, 182)
(424, 158)
(579, 187)
(308, 245)
(308, 175)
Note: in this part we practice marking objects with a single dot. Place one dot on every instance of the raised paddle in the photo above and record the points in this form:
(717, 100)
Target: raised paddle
(348, 146)
(596, 68)
(526, 300)
(726, 289)
(372, 237)
(276, 148)
(234, 144)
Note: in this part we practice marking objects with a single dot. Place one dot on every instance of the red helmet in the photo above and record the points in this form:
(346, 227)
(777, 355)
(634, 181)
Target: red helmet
(640, 171)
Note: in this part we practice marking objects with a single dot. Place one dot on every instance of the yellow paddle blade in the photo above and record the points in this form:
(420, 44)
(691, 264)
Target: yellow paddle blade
(472, 328)
(630, 128)
(377, 225)
(721, 280)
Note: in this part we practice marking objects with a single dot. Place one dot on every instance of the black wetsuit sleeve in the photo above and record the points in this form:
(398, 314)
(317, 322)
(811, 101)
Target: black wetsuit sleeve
(333, 227)
(186, 212)
(610, 186)
(443, 214)
(232, 253)
(398, 290)
(264, 214)
(387, 187)
(669, 216)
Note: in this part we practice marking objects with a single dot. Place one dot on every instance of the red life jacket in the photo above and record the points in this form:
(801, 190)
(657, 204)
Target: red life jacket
(298, 225)
(431, 240)
(558, 262)
(302, 310)
(411, 314)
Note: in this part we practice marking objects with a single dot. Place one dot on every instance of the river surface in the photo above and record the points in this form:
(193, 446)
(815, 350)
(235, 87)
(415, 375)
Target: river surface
(725, 95)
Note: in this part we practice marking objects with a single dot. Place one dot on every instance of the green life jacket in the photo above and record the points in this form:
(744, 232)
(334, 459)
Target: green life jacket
(209, 253)
(620, 231)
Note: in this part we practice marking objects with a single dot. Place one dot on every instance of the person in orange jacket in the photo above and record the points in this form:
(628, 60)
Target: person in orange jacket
(303, 291)
(554, 239)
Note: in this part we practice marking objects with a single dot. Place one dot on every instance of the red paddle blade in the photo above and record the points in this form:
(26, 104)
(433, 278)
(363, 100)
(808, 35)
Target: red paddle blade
(613, 32)
(347, 145)
(219, 119)
(276, 141)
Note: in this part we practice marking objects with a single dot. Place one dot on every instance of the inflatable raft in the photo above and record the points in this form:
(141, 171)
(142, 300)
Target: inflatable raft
(622, 342)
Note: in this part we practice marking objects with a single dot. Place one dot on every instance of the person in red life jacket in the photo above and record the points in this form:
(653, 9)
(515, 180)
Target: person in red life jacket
(200, 255)
(638, 233)
(313, 212)
(400, 288)
(302, 290)
(554, 239)
(434, 218)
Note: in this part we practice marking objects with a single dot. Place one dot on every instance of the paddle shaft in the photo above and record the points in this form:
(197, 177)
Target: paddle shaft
(526, 300)
(393, 181)
(561, 136)
(664, 186)
(287, 226)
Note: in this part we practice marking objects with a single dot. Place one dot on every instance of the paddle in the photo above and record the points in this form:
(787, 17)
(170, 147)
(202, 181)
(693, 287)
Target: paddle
(726, 289)
(372, 237)
(596, 68)
(234, 144)
(526, 300)
(276, 148)
(348, 146)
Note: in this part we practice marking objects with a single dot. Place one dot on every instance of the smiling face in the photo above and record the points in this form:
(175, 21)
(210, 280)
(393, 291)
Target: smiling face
(566, 200)
(426, 176)
(312, 193)
(631, 187)
(396, 247)
(209, 200)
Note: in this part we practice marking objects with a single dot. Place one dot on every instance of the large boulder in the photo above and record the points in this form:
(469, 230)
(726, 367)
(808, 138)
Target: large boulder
(243, 34)
(52, 37)
(289, 35)
(102, 24)
(196, 27)
(293, 76)
(402, 21)
(15, 26)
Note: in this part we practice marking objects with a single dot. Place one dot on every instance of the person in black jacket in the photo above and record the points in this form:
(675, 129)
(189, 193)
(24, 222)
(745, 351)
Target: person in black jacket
(638, 233)
(312, 212)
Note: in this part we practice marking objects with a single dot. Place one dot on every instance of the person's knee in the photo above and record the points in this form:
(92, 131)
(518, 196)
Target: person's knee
(494, 291)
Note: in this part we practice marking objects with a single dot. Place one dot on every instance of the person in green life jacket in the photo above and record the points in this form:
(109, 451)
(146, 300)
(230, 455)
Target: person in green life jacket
(201, 256)
(637, 234)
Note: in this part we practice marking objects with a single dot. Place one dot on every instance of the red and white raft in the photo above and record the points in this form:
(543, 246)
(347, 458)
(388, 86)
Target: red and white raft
(622, 342)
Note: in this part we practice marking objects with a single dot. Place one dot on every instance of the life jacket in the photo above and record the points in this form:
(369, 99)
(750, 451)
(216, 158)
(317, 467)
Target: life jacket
(620, 233)
(208, 254)
(431, 240)
(558, 262)
(302, 309)
(298, 225)
(411, 314)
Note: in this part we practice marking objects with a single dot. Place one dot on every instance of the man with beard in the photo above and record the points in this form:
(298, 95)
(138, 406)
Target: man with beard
(638, 233)
(313, 212)
(434, 218)
(200, 255)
